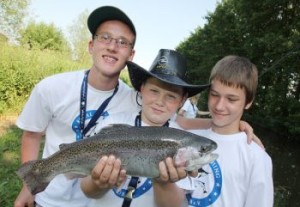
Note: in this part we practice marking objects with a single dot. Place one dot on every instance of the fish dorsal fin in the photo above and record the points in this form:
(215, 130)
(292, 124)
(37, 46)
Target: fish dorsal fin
(63, 146)
(112, 128)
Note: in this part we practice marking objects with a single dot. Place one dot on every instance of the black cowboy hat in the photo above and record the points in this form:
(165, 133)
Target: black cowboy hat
(106, 13)
(169, 66)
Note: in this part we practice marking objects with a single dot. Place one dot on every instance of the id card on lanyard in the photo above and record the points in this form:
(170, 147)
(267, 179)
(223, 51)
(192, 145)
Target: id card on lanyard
(83, 103)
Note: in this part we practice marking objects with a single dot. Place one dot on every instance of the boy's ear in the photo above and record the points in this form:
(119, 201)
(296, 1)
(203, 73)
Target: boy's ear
(142, 88)
(132, 53)
(248, 105)
(91, 46)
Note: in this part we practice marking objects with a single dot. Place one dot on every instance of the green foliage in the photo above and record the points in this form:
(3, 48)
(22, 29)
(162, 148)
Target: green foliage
(282, 196)
(79, 37)
(21, 69)
(3, 38)
(12, 14)
(10, 185)
(124, 76)
(10, 148)
(42, 36)
(268, 33)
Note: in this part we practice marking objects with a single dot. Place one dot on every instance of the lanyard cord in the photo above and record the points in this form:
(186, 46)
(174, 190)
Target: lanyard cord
(83, 103)
(134, 180)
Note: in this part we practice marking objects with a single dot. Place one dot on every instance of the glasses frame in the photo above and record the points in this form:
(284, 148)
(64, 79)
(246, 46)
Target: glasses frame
(107, 39)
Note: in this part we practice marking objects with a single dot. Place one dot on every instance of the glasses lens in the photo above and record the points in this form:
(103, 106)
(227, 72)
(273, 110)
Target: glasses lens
(122, 42)
(107, 39)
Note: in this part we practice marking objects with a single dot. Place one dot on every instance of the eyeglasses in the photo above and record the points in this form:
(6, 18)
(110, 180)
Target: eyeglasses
(107, 39)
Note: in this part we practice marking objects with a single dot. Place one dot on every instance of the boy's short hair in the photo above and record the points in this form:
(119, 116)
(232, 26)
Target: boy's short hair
(237, 71)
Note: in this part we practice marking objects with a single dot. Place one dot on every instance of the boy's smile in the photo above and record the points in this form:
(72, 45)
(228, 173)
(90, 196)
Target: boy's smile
(160, 101)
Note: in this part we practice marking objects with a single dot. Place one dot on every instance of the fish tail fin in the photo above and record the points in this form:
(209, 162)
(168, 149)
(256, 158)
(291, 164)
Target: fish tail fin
(30, 176)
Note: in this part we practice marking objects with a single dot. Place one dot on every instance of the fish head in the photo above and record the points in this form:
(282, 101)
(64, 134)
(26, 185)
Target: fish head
(204, 145)
(196, 152)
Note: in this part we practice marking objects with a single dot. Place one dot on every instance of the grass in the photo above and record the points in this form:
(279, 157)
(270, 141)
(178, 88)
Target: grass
(21, 69)
(10, 185)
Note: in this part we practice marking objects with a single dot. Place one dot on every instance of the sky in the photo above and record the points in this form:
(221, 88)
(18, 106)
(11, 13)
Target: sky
(160, 24)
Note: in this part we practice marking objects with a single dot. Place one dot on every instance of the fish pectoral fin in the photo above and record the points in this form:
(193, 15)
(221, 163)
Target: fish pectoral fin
(74, 175)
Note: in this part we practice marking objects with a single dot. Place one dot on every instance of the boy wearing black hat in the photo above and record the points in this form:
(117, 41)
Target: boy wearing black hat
(66, 107)
(163, 90)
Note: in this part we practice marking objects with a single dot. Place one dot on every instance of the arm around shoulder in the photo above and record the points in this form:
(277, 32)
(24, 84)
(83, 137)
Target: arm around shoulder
(196, 123)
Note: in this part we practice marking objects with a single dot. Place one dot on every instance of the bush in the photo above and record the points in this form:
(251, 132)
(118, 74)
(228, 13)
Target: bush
(21, 69)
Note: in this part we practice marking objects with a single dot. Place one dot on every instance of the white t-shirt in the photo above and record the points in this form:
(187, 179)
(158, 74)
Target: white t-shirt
(53, 107)
(143, 195)
(190, 110)
(240, 177)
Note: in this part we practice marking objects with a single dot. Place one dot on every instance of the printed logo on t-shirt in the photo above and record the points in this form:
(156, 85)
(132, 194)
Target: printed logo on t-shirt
(88, 116)
(208, 186)
(142, 188)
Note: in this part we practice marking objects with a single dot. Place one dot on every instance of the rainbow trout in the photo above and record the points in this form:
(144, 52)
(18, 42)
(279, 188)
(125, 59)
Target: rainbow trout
(140, 149)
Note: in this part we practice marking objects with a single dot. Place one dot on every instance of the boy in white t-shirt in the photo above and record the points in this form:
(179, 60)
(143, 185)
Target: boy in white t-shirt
(163, 90)
(242, 175)
(61, 106)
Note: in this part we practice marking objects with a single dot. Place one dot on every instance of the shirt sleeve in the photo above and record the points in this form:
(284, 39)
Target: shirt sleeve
(261, 189)
(36, 113)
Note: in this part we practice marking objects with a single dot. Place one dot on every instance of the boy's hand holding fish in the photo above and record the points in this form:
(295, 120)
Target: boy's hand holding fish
(108, 173)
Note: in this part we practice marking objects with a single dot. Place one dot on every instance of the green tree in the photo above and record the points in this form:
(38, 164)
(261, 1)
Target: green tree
(79, 37)
(12, 13)
(42, 36)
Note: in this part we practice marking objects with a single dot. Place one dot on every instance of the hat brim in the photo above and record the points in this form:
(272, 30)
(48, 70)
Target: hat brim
(138, 75)
(106, 13)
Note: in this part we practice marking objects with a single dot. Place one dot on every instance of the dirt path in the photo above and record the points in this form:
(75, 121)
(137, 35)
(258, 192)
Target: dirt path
(6, 122)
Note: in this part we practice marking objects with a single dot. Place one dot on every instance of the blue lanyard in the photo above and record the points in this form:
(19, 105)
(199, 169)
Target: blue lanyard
(83, 103)
(134, 180)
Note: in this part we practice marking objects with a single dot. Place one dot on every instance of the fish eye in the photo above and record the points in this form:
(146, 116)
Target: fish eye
(203, 148)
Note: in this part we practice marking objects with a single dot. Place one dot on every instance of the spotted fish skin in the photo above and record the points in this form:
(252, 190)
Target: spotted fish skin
(140, 149)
